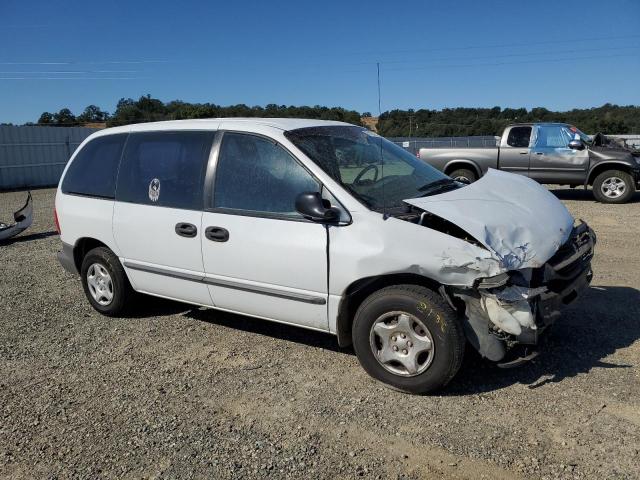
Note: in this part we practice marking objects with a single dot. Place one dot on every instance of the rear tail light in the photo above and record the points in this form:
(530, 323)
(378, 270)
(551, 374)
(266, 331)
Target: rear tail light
(55, 219)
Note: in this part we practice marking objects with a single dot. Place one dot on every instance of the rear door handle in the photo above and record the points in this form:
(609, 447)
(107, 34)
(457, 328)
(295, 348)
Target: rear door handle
(217, 234)
(188, 230)
(539, 153)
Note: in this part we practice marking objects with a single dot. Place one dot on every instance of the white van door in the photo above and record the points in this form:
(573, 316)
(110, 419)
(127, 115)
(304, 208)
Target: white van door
(261, 257)
(158, 213)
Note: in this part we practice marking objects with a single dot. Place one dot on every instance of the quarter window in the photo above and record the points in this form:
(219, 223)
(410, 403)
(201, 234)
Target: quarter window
(94, 169)
(164, 169)
(257, 175)
(519, 137)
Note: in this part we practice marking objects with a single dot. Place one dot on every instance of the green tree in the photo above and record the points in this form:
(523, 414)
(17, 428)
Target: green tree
(46, 118)
(93, 114)
(64, 117)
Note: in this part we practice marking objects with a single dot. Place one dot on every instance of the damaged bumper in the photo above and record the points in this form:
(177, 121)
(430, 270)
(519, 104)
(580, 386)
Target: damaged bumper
(22, 218)
(518, 306)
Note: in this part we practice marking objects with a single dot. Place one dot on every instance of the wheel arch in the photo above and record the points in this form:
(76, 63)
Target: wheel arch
(461, 163)
(360, 289)
(600, 167)
(83, 246)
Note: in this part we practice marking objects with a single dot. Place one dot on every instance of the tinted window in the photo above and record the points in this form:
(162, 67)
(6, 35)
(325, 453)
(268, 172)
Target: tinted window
(519, 137)
(553, 137)
(164, 169)
(94, 169)
(256, 174)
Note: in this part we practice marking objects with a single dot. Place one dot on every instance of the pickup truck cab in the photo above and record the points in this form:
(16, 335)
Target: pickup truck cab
(550, 153)
(326, 226)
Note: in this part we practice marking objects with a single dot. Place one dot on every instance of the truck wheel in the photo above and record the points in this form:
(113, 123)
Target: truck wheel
(613, 186)
(104, 282)
(463, 175)
(408, 337)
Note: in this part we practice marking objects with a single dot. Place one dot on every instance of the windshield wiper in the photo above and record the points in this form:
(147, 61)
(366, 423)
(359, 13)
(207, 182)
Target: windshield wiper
(437, 186)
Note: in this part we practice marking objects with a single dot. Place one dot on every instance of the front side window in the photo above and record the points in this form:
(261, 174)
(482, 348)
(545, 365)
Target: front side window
(376, 171)
(558, 136)
(552, 137)
(164, 169)
(519, 137)
(94, 169)
(255, 174)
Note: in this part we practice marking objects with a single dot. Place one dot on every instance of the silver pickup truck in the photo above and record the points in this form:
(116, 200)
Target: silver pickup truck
(552, 153)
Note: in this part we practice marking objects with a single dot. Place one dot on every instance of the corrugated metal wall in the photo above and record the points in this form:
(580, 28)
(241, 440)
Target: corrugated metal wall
(36, 156)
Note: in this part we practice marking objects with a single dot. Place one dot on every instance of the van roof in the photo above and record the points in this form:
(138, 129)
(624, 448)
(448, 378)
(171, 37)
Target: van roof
(215, 123)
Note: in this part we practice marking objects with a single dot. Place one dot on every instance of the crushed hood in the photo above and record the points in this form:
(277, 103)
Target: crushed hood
(518, 220)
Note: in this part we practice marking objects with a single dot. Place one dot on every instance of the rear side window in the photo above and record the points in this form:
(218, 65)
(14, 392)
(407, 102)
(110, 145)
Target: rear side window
(519, 137)
(257, 175)
(94, 170)
(164, 169)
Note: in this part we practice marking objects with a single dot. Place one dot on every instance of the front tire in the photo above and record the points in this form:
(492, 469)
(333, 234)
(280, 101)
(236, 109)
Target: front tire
(464, 175)
(408, 337)
(613, 186)
(105, 282)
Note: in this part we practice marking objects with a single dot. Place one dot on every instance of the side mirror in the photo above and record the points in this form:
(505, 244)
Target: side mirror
(576, 145)
(311, 205)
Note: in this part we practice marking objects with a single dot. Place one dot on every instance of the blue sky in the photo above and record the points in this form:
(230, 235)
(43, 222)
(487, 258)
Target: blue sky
(555, 54)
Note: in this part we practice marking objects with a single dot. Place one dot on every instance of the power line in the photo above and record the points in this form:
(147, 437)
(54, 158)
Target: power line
(444, 66)
(523, 54)
(500, 45)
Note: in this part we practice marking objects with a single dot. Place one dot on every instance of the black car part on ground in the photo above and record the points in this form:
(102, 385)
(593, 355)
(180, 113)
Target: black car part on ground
(22, 218)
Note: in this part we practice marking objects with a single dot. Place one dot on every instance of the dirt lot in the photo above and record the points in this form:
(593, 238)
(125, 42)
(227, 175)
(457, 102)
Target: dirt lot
(182, 392)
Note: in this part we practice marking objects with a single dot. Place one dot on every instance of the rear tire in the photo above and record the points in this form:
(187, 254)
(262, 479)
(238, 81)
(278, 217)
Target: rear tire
(464, 175)
(613, 186)
(105, 282)
(409, 338)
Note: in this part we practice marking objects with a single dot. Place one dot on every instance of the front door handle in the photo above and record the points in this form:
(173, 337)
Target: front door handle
(217, 234)
(188, 230)
(524, 153)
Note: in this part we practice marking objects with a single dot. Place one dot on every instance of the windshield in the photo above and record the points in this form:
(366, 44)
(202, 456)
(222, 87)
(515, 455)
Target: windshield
(376, 171)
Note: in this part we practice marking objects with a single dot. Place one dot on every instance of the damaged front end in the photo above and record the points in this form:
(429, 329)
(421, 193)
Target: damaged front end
(22, 218)
(541, 259)
(516, 307)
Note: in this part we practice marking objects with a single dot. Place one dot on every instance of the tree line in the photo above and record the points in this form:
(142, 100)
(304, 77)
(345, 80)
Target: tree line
(149, 109)
(608, 119)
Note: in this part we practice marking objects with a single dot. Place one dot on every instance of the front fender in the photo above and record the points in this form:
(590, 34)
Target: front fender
(634, 169)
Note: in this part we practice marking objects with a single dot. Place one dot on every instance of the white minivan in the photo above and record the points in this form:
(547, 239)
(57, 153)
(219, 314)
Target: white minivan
(327, 226)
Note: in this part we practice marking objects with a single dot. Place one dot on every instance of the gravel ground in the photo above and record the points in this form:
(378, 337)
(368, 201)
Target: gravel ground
(176, 391)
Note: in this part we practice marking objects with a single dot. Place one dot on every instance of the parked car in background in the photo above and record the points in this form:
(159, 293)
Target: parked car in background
(326, 226)
(550, 153)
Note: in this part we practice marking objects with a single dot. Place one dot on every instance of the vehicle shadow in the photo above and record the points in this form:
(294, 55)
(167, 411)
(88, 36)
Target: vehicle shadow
(602, 321)
(580, 194)
(28, 237)
(280, 331)
(147, 306)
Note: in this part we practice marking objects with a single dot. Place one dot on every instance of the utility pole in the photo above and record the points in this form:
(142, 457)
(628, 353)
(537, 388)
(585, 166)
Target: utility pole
(379, 102)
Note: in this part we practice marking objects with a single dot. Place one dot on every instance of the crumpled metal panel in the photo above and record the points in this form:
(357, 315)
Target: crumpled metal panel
(518, 220)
